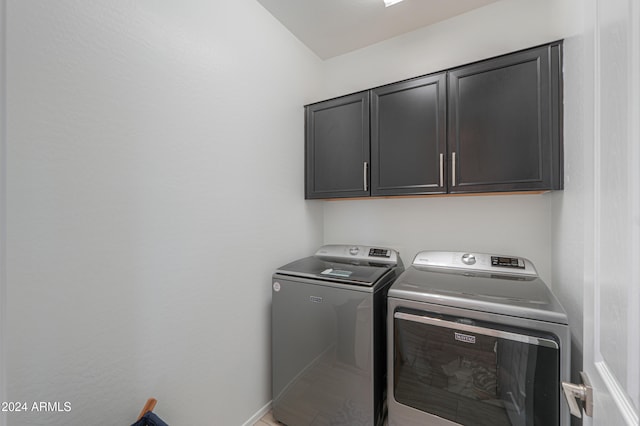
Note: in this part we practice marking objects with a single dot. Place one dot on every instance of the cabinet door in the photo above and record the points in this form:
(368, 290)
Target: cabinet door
(337, 147)
(504, 123)
(408, 137)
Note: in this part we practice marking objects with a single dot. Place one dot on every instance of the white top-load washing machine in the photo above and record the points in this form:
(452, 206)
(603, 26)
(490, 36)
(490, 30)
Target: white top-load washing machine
(475, 339)
(328, 336)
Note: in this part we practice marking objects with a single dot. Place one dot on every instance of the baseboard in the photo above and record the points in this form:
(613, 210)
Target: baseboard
(258, 415)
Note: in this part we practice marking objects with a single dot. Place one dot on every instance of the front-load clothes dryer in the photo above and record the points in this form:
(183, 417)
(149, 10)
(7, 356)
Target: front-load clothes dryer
(475, 339)
(328, 336)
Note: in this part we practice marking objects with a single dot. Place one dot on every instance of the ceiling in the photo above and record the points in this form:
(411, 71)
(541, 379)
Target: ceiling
(333, 27)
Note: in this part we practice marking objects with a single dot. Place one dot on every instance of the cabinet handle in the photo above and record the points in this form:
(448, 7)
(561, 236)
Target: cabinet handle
(441, 169)
(364, 175)
(453, 169)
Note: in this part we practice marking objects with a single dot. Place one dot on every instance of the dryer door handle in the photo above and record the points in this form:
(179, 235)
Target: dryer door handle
(467, 325)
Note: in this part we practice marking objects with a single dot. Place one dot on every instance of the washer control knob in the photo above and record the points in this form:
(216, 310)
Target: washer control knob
(468, 259)
(353, 251)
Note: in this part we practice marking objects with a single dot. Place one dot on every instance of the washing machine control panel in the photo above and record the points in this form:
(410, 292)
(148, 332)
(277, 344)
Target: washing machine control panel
(507, 262)
(359, 253)
(480, 262)
(379, 252)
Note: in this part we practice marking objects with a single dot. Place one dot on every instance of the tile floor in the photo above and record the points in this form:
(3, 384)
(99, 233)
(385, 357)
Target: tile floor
(267, 420)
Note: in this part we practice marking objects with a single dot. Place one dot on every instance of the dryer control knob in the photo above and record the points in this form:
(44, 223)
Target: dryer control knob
(353, 251)
(468, 259)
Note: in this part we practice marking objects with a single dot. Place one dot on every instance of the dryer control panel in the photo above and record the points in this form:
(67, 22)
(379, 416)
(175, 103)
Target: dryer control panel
(479, 262)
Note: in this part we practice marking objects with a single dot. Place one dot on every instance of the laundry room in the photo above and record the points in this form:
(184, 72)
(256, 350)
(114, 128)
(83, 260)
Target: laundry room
(152, 178)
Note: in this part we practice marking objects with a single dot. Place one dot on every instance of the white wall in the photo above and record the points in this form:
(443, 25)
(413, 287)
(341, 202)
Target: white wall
(514, 224)
(3, 210)
(519, 225)
(130, 130)
(495, 29)
(569, 207)
(154, 182)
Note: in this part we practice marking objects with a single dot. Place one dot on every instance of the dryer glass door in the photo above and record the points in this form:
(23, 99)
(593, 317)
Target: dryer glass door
(475, 373)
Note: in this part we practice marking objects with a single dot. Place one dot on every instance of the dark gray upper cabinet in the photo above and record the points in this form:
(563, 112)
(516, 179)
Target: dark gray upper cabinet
(408, 137)
(337, 147)
(490, 126)
(505, 123)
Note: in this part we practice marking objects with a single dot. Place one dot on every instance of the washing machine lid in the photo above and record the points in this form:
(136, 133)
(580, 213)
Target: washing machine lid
(350, 264)
(504, 285)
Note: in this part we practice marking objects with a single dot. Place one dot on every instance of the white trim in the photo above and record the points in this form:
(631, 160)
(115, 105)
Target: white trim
(258, 415)
(633, 348)
(618, 394)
